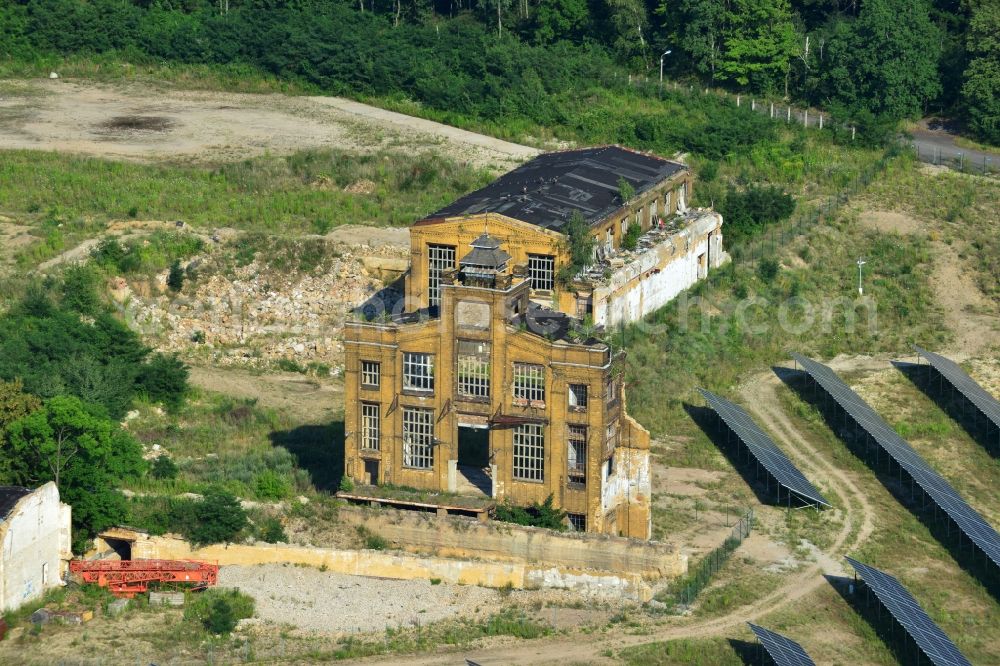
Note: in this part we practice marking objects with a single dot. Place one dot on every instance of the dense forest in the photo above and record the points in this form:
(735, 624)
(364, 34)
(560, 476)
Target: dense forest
(498, 60)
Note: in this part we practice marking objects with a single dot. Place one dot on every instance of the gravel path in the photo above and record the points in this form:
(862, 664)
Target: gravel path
(328, 602)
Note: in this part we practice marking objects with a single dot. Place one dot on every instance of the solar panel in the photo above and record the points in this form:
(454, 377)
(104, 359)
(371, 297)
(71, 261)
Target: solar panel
(763, 448)
(783, 651)
(966, 385)
(973, 525)
(911, 616)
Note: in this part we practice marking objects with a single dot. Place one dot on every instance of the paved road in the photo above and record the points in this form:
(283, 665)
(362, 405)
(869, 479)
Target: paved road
(934, 142)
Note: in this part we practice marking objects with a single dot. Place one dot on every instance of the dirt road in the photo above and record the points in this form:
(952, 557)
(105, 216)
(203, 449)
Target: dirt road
(856, 526)
(137, 122)
(306, 399)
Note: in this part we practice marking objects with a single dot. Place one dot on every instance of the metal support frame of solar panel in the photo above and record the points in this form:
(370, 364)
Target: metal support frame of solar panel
(911, 616)
(782, 650)
(764, 449)
(974, 526)
(966, 385)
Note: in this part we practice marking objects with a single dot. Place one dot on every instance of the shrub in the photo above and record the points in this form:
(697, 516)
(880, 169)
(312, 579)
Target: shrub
(217, 517)
(631, 238)
(175, 279)
(163, 467)
(536, 515)
(218, 611)
(271, 485)
(749, 211)
(271, 530)
(164, 379)
(767, 269)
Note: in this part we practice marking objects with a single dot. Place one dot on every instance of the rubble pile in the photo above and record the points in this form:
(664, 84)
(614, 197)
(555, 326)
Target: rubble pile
(256, 314)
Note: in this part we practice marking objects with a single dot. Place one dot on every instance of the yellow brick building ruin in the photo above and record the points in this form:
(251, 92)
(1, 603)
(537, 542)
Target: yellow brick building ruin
(480, 377)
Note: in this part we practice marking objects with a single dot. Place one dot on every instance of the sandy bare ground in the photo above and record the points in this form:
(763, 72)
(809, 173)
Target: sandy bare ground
(306, 399)
(968, 312)
(141, 123)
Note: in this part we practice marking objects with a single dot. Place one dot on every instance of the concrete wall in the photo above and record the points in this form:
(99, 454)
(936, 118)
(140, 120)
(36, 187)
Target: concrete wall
(655, 277)
(400, 566)
(455, 536)
(35, 545)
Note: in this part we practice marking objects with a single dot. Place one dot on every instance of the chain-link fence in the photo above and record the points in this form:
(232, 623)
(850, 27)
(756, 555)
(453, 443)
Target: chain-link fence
(684, 590)
(779, 234)
(956, 158)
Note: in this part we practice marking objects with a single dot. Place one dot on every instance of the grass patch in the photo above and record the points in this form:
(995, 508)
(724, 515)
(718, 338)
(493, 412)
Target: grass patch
(711, 651)
(301, 192)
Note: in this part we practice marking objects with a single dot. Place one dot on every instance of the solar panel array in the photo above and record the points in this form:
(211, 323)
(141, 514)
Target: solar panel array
(783, 651)
(974, 526)
(763, 448)
(965, 384)
(911, 616)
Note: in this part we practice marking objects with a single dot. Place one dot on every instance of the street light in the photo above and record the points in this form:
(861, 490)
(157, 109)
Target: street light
(665, 54)
(861, 262)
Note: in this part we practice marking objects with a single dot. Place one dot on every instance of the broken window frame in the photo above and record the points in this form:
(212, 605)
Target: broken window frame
(542, 271)
(440, 258)
(418, 372)
(371, 426)
(529, 452)
(529, 383)
(472, 370)
(418, 438)
(612, 436)
(371, 374)
(576, 455)
(578, 395)
(577, 522)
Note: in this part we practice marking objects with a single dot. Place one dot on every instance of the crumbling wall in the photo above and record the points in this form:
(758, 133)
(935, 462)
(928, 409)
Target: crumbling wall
(656, 276)
(456, 536)
(404, 566)
(34, 547)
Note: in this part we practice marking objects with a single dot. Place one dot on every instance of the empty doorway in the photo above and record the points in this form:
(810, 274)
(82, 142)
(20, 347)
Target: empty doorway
(474, 458)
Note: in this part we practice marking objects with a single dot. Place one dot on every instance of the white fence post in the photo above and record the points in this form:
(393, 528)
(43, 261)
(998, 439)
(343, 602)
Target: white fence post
(805, 118)
(789, 115)
(772, 109)
(821, 121)
(737, 100)
(753, 105)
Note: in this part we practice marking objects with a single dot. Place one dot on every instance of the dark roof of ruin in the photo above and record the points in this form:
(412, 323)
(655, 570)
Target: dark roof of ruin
(9, 496)
(547, 190)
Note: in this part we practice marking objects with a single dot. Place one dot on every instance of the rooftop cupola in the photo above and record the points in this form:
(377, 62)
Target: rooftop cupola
(484, 263)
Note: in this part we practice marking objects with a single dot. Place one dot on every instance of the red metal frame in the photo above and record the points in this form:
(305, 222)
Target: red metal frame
(126, 578)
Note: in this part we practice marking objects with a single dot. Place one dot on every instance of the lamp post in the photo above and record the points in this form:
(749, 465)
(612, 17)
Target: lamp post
(665, 54)
(861, 262)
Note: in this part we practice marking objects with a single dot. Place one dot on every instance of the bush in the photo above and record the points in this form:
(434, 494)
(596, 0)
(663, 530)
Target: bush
(218, 517)
(631, 238)
(749, 211)
(536, 515)
(175, 279)
(767, 269)
(163, 467)
(271, 530)
(218, 611)
(271, 485)
(164, 379)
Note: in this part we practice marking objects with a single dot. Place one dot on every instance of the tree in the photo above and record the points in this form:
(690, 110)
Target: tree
(981, 90)
(886, 61)
(175, 279)
(758, 42)
(83, 452)
(580, 242)
(218, 517)
(79, 291)
(15, 403)
(164, 379)
(560, 19)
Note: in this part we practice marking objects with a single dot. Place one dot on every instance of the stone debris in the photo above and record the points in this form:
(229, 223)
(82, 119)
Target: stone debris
(315, 600)
(256, 314)
(117, 607)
